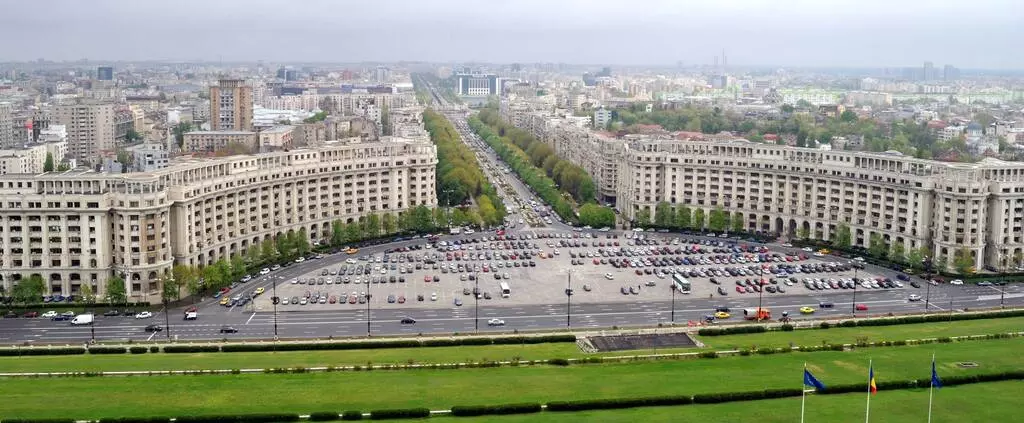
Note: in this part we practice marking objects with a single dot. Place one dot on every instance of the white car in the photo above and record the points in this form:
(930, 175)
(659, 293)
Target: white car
(300, 259)
(787, 245)
(49, 314)
(609, 276)
(914, 297)
(807, 249)
(956, 282)
(143, 315)
(264, 271)
(495, 322)
(433, 297)
(295, 281)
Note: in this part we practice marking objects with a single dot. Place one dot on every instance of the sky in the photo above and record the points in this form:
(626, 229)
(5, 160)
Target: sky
(979, 34)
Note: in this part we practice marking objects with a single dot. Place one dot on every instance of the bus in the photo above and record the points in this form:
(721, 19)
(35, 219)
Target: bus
(680, 283)
(506, 291)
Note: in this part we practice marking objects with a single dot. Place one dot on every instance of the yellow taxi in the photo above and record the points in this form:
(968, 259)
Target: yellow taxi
(721, 315)
(225, 300)
(806, 310)
(258, 291)
(351, 250)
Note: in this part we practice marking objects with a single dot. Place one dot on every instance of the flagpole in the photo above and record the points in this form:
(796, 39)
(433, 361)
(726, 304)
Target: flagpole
(931, 389)
(867, 411)
(803, 397)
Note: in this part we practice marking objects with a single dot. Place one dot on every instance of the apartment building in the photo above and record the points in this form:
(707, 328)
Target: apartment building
(231, 106)
(6, 125)
(276, 138)
(213, 141)
(81, 227)
(90, 127)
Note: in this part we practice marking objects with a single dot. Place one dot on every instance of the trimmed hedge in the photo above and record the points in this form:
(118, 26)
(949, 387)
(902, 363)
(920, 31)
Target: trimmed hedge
(14, 352)
(619, 403)
(38, 421)
(108, 350)
(135, 420)
(400, 413)
(453, 342)
(239, 418)
(352, 415)
(322, 416)
(906, 320)
(140, 350)
(40, 306)
(732, 330)
(500, 409)
(746, 396)
(191, 348)
(558, 362)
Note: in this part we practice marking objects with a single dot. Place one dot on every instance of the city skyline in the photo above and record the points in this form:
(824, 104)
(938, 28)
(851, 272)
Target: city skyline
(964, 34)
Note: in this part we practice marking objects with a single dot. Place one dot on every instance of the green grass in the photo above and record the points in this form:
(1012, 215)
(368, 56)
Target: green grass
(366, 390)
(981, 403)
(205, 361)
(870, 333)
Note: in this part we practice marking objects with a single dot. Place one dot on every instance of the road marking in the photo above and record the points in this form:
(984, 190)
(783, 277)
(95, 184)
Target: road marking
(250, 318)
(151, 336)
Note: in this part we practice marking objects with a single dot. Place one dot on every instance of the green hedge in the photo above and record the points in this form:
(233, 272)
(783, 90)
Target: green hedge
(453, 342)
(500, 409)
(239, 418)
(135, 420)
(37, 421)
(558, 362)
(48, 306)
(400, 413)
(108, 350)
(141, 350)
(932, 318)
(731, 330)
(322, 416)
(617, 403)
(352, 415)
(14, 352)
(191, 348)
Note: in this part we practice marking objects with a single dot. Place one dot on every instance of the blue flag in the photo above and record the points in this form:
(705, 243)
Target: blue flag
(810, 380)
(936, 382)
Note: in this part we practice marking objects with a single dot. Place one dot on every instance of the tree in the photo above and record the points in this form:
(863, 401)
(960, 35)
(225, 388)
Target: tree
(898, 253)
(125, 159)
(842, 237)
(237, 266)
(737, 222)
(663, 216)
(876, 246)
(389, 223)
(698, 219)
(29, 291)
(269, 251)
(803, 233)
(963, 261)
(286, 245)
(187, 277)
(301, 243)
(169, 289)
(48, 164)
(371, 226)
(915, 258)
(718, 220)
(683, 216)
(643, 217)
(253, 255)
(596, 216)
(88, 296)
(63, 167)
(131, 135)
(179, 132)
(848, 116)
(352, 233)
(116, 291)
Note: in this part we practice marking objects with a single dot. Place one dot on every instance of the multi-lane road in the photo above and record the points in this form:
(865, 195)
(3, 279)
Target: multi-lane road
(309, 323)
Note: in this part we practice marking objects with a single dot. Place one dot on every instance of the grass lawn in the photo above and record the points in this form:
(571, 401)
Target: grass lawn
(181, 395)
(479, 353)
(981, 403)
(871, 333)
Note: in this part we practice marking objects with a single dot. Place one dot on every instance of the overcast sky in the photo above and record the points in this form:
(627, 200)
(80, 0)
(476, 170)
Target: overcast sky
(870, 33)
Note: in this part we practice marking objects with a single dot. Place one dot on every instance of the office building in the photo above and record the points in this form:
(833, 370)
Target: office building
(950, 73)
(6, 125)
(148, 157)
(928, 72)
(477, 85)
(90, 128)
(231, 106)
(82, 227)
(105, 73)
(215, 141)
(31, 158)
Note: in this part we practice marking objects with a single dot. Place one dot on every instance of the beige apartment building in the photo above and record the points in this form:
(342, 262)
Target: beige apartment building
(82, 227)
(213, 141)
(231, 106)
(786, 190)
(90, 128)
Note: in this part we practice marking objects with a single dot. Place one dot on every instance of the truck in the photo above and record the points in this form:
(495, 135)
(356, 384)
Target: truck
(82, 319)
(191, 315)
(757, 314)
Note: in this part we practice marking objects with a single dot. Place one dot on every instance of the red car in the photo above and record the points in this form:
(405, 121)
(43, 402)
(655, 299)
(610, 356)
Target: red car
(740, 289)
(596, 261)
(31, 314)
(426, 278)
(862, 307)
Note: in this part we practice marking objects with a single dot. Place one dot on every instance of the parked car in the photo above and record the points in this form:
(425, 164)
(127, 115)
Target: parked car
(495, 322)
(143, 315)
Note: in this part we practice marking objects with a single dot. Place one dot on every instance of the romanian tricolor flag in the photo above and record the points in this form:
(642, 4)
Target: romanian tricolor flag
(871, 380)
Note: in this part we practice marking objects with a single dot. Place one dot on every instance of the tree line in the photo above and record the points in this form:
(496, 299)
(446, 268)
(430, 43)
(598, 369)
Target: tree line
(679, 216)
(570, 177)
(914, 258)
(460, 181)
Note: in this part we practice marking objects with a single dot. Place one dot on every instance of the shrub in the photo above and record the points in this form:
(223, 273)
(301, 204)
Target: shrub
(154, 349)
(558, 362)
(400, 413)
(618, 403)
(38, 420)
(107, 350)
(191, 349)
(745, 396)
(501, 409)
(708, 354)
(847, 324)
(323, 416)
(731, 330)
(135, 420)
(824, 325)
(239, 418)
(14, 352)
(786, 327)
(138, 350)
(352, 415)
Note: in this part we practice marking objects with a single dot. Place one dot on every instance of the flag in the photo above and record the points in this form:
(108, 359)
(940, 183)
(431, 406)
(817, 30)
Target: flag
(871, 380)
(936, 382)
(810, 380)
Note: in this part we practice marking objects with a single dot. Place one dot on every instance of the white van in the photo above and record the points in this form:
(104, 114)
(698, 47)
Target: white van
(82, 319)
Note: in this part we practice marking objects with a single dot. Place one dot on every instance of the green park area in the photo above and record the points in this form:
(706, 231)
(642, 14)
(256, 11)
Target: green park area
(241, 360)
(88, 397)
(980, 403)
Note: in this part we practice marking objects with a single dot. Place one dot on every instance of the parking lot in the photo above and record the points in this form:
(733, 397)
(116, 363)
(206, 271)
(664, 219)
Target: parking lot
(537, 268)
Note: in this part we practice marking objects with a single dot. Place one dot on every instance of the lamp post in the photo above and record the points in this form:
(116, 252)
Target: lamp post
(275, 300)
(568, 301)
(476, 304)
(760, 290)
(673, 315)
(368, 297)
(853, 308)
(928, 281)
(447, 207)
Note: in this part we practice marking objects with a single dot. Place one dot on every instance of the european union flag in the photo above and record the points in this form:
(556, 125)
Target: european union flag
(810, 380)
(936, 382)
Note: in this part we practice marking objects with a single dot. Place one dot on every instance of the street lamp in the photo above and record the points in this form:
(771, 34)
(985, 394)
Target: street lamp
(855, 283)
(568, 301)
(673, 315)
(167, 312)
(275, 300)
(760, 290)
(928, 281)
(476, 302)
(368, 297)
